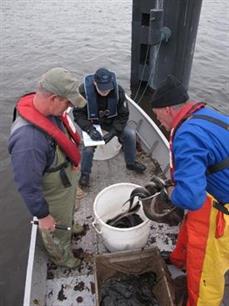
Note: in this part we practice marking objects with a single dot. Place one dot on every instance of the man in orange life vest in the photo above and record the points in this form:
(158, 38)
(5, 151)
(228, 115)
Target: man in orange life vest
(45, 157)
(199, 145)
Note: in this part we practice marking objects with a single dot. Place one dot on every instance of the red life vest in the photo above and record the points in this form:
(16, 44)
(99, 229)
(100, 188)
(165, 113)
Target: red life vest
(185, 112)
(28, 112)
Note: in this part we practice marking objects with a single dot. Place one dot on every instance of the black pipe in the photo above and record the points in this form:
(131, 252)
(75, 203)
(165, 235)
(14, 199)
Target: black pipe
(150, 62)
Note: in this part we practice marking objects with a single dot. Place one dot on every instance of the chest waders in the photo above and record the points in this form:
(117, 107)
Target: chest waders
(59, 188)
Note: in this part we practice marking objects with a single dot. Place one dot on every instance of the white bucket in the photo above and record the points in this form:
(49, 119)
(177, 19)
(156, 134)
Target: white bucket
(107, 151)
(108, 204)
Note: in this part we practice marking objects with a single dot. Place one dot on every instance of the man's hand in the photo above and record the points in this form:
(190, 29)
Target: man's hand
(160, 208)
(107, 137)
(75, 168)
(94, 134)
(47, 223)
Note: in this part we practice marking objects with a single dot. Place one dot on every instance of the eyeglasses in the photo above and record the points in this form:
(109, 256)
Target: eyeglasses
(103, 114)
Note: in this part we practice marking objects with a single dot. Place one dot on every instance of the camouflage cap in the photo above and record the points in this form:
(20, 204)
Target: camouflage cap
(62, 83)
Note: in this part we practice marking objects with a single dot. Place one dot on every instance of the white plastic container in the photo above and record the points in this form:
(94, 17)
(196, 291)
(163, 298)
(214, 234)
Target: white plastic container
(107, 151)
(108, 204)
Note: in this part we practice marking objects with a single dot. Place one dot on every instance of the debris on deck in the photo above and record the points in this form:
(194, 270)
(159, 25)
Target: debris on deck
(66, 287)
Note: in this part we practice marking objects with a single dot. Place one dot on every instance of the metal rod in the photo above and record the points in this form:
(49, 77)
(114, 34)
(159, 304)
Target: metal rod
(57, 226)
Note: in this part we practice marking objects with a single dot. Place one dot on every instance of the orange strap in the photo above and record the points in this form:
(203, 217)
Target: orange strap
(220, 224)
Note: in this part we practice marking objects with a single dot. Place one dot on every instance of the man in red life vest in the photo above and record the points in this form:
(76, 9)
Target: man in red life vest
(199, 145)
(45, 157)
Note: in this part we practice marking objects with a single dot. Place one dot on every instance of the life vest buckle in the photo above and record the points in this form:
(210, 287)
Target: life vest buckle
(221, 207)
(104, 113)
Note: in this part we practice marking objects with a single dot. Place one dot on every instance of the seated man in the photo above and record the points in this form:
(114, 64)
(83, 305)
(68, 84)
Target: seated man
(107, 106)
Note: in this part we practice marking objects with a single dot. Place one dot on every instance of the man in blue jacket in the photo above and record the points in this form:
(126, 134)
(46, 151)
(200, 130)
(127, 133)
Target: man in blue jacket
(107, 106)
(199, 143)
(45, 160)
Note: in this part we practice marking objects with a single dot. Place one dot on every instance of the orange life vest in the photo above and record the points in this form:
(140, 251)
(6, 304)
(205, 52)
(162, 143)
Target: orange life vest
(28, 112)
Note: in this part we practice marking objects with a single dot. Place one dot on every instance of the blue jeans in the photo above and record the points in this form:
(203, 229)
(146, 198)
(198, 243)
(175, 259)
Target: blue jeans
(128, 140)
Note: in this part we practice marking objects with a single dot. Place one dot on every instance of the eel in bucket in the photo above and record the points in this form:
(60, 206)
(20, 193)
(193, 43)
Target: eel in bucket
(155, 203)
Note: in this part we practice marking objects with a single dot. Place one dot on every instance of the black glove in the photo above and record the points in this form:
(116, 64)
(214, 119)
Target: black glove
(162, 204)
(94, 134)
(163, 210)
(107, 137)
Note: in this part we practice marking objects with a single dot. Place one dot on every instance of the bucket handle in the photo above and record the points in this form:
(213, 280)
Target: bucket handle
(95, 226)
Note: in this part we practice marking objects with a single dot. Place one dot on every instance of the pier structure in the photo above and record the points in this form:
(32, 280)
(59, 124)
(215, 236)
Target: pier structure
(163, 41)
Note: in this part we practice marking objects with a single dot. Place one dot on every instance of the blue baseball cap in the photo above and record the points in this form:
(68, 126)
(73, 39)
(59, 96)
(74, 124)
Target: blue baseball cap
(104, 79)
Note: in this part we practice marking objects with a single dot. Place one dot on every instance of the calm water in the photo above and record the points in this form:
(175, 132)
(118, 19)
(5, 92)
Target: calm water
(82, 35)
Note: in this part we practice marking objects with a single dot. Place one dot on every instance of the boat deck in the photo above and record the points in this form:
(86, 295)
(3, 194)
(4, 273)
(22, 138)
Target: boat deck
(67, 287)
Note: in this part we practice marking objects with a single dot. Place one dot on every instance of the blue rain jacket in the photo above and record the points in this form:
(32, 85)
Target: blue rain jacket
(32, 152)
(197, 145)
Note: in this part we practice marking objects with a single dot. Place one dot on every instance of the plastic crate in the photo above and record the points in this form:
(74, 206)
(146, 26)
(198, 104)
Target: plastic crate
(135, 262)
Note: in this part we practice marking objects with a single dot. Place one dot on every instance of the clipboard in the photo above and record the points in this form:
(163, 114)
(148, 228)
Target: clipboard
(88, 142)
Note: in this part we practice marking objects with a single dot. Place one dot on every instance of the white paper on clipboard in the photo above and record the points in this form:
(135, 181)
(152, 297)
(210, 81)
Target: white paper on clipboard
(88, 142)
